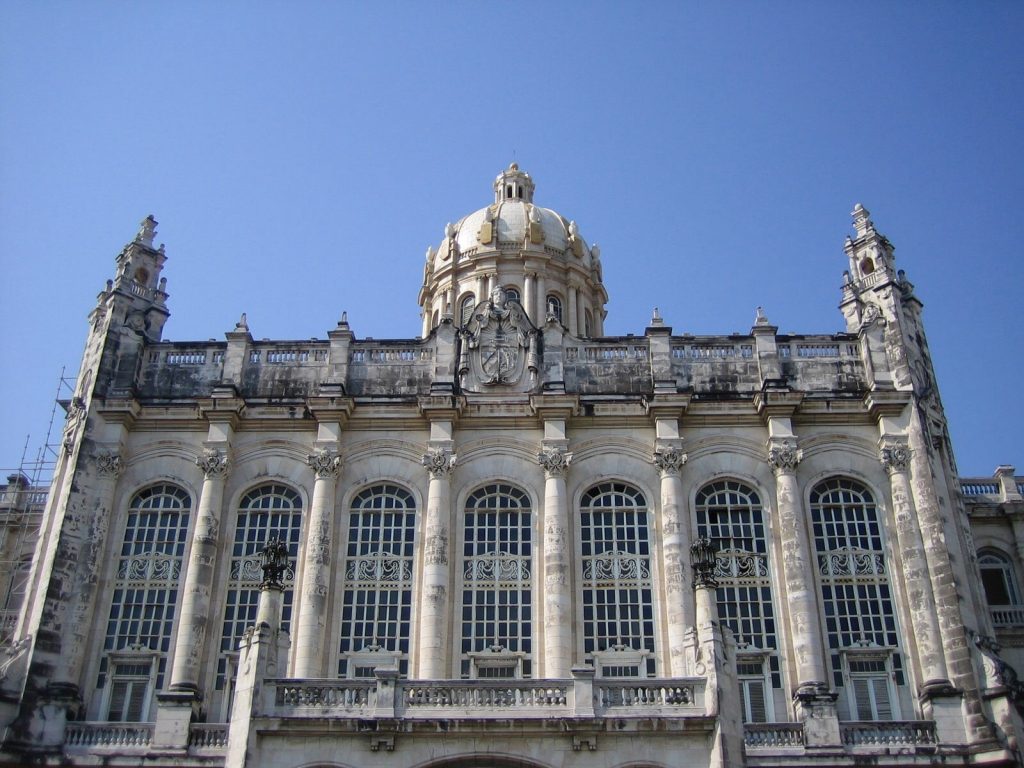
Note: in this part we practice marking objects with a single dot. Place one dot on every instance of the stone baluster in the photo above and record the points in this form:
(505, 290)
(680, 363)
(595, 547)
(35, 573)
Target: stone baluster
(436, 565)
(316, 572)
(798, 571)
(557, 578)
(195, 602)
(894, 453)
(674, 527)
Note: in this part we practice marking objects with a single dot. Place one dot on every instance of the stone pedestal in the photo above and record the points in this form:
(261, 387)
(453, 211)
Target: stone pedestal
(174, 713)
(817, 711)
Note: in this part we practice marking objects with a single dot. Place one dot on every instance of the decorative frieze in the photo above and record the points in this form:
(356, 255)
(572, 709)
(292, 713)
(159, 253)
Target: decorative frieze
(783, 456)
(325, 463)
(439, 462)
(213, 462)
(669, 461)
(555, 461)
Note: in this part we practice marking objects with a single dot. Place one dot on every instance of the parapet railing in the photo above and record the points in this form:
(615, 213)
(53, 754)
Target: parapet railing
(208, 736)
(773, 735)
(115, 735)
(891, 733)
(1007, 615)
(498, 699)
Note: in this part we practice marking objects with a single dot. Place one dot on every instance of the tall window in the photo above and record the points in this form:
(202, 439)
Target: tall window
(377, 602)
(497, 564)
(618, 603)
(860, 619)
(270, 511)
(1000, 585)
(466, 308)
(730, 514)
(144, 600)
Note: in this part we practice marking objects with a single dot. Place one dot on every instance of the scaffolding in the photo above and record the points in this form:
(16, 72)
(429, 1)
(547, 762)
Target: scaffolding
(22, 501)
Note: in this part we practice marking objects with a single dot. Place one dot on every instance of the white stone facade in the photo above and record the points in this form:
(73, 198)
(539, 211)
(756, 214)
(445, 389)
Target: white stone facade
(495, 536)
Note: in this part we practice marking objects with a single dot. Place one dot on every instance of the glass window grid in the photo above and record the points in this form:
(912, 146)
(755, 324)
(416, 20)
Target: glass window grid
(145, 594)
(263, 513)
(857, 604)
(730, 514)
(618, 598)
(497, 598)
(377, 600)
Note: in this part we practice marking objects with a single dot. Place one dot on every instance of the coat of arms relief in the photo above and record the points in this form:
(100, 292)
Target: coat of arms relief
(499, 347)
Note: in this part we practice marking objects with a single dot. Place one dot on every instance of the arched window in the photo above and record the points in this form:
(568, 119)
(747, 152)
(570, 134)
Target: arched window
(555, 306)
(730, 514)
(512, 293)
(497, 568)
(860, 618)
(588, 323)
(1000, 585)
(269, 511)
(466, 307)
(377, 601)
(618, 601)
(144, 600)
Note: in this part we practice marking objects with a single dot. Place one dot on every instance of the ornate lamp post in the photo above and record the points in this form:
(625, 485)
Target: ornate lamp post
(703, 553)
(274, 563)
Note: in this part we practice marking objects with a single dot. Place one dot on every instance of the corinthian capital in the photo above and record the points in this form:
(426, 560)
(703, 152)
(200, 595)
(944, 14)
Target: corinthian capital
(325, 463)
(894, 453)
(213, 462)
(439, 462)
(783, 456)
(669, 461)
(109, 464)
(555, 461)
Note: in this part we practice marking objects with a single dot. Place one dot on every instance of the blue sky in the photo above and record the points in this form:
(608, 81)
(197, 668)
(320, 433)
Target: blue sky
(301, 156)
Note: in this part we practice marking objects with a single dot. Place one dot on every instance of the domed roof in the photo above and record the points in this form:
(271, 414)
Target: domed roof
(514, 221)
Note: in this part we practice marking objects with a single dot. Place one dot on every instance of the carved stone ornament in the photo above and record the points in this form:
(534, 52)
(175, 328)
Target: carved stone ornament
(555, 461)
(109, 464)
(439, 462)
(783, 456)
(894, 455)
(669, 461)
(500, 347)
(871, 314)
(213, 462)
(325, 463)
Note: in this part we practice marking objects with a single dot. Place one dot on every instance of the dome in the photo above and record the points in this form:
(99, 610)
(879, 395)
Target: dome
(534, 252)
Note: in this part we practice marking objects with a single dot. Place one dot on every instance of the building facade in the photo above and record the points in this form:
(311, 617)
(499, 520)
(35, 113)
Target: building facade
(513, 540)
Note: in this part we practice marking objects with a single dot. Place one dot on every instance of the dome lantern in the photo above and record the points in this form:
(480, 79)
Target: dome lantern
(513, 184)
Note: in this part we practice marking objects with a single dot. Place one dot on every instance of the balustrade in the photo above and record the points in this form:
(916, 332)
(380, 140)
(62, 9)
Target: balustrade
(893, 733)
(117, 735)
(773, 735)
(208, 736)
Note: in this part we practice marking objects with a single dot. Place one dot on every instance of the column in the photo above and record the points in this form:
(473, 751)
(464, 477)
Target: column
(674, 525)
(433, 653)
(570, 319)
(316, 572)
(894, 453)
(195, 602)
(530, 297)
(542, 301)
(481, 288)
(581, 314)
(798, 571)
(558, 621)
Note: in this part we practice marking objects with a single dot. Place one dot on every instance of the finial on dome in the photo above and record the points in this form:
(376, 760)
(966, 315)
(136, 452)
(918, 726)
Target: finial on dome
(513, 166)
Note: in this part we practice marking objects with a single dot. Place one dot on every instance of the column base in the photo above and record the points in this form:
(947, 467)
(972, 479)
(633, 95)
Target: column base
(943, 703)
(815, 705)
(175, 711)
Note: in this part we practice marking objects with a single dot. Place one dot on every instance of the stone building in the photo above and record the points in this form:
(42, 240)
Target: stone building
(513, 540)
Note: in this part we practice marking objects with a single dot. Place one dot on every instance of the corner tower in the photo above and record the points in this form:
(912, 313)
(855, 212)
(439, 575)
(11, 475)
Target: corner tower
(537, 255)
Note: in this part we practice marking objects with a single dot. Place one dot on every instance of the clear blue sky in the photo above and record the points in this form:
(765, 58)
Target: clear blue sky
(301, 156)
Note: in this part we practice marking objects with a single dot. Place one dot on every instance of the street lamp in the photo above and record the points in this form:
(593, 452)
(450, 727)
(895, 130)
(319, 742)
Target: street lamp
(274, 563)
(702, 556)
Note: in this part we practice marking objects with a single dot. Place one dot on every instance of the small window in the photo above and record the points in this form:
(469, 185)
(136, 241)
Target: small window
(870, 686)
(754, 690)
(588, 324)
(512, 293)
(466, 309)
(555, 307)
(997, 579)
(867, 266)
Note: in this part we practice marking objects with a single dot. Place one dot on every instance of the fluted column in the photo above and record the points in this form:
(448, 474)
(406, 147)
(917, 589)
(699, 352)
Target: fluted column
(432, 650)
(571, 312)
(316, 572)
(195, 602)
(674, 527)
(798, 570)
(557, 597)
(542, 302)
(894, 453)
(530, 298)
